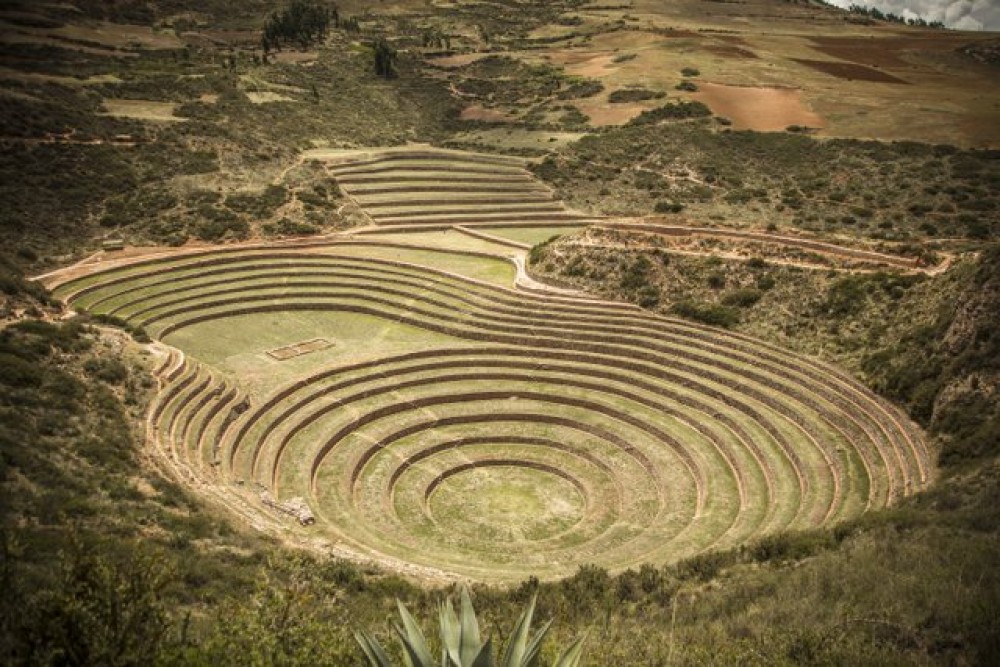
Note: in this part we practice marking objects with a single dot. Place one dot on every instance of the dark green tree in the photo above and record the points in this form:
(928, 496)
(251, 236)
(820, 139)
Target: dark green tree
(302, 22)
(385, 59)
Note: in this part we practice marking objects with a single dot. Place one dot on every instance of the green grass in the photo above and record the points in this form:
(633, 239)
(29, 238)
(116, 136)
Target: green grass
(531, 235)
(238, 345)
(497, 272)
(447, 238)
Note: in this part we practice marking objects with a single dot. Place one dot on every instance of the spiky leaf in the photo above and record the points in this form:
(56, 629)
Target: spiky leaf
(471, 643)
(451, 633)
(517, 653)
(485, 656)
(413, 641)
(535, 646)
(571, 656)
(376, 655)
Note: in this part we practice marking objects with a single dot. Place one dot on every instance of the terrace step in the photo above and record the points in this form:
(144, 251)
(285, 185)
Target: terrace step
(667, 437)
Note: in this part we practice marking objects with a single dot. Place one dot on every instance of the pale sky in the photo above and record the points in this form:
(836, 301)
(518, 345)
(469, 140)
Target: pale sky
(957, 14)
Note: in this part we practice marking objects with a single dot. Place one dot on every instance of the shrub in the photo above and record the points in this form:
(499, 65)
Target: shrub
(845, 297)
(664, 206)
(742, 298)
(576, 267)
(766, 282)
(791, 546)
(637, 274)
(580, 89)
(675, 111)
(574, 118)
(107, 370)
(18, 372)
(220, 224)
(633, 95)
(648, 296)
(978, 229)
(537, 253)
(706, 566)
(720, 316)
(288, 227)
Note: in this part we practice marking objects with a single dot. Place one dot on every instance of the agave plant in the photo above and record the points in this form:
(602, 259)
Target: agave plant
(462, 644)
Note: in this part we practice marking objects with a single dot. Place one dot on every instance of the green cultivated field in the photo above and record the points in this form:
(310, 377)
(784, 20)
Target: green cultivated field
(449, 423)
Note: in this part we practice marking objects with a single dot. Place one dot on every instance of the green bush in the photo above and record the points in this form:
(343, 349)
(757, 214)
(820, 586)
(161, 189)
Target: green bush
(845, 297)
(633, 95)
(704, 567)
(18, 372)
(663, 206)
(574, 118)
(288, 227)
(766, 282)
(675, 111)
(794, 545)
(648, 296)
(637, 274)
(720, 316)
(742, 298)
(106, 369)
(581, 89)
(220, 224)
(537, 252)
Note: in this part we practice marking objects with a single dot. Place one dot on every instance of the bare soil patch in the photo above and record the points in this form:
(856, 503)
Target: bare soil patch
(731, 39)
(119, 36)
(593, 66)
(224, 36)
(458, 60)
(873, 52)
(266, 96)
(764, 109)
(602, 113)
(477, 112)
(295, 57)
(142, 110)
(889, 51)
(11, 37)
(7, 74)
(730, 51)
(850, 71)
(631, 39)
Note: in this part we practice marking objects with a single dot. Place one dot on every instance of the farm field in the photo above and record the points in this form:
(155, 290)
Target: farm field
(767, 66)
(442, 396)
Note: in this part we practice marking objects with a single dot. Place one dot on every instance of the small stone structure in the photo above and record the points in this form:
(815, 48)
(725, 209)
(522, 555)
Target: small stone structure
(296, 507)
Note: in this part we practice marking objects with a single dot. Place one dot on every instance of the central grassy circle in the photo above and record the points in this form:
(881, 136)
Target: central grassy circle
(506, 503)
